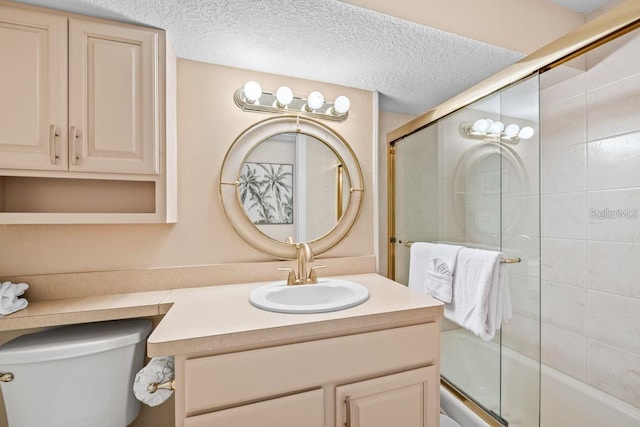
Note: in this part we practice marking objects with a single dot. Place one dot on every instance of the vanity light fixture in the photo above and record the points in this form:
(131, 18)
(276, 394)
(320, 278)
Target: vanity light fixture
(251, 97)
(495, 131)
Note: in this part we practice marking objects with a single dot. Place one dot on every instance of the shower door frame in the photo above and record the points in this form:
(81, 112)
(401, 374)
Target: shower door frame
(608, 26)
(603, 29)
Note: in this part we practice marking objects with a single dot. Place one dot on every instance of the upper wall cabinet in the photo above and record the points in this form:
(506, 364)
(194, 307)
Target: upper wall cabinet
(33, 107)
(87, 120)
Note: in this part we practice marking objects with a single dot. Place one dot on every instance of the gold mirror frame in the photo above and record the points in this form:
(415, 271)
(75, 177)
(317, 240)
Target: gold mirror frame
(229, 181)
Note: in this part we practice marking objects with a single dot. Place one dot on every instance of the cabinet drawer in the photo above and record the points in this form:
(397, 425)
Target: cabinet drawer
(212, 382)
(303, 409)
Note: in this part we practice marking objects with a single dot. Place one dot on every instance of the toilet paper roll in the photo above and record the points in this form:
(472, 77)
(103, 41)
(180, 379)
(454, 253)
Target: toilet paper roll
(159, 370)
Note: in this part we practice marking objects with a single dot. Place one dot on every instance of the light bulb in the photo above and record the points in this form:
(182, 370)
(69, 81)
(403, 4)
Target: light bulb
(526, 132)
(480, 125)
(496, 128)
(512, 130)
(284, 95)
(252, 91)
(315, 100)
(341, 104)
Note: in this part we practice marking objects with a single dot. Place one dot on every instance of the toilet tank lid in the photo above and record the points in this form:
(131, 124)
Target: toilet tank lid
(67, 342)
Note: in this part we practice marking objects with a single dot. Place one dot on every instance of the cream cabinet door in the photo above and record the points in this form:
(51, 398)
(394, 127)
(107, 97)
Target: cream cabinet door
(407, 399)
(33, 90)
(113, 99)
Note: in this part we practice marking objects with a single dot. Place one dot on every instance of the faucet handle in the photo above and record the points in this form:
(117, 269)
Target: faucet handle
(313, 275)
(291, 277)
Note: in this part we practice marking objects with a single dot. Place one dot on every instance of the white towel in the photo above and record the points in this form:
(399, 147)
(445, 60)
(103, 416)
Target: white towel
(439, 282)
(481, 301)
(159, 370)
(420, 256)
(9, 301)
(431, 269)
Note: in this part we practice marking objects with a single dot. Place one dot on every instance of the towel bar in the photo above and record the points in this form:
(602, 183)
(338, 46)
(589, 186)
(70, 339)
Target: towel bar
(515, 260)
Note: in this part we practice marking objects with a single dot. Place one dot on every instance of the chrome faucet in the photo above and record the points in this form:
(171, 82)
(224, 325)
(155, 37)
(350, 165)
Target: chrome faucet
(303, 277)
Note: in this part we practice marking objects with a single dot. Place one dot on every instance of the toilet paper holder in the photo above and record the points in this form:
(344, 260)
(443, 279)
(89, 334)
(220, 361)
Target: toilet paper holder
(169, 385)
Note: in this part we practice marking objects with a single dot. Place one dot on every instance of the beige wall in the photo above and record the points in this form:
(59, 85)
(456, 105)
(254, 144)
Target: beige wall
(522, 26)
(208, 122)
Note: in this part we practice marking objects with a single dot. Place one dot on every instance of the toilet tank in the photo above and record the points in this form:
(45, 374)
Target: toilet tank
(75, 376)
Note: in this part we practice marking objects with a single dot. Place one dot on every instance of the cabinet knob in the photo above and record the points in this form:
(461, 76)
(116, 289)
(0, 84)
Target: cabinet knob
(7, 377)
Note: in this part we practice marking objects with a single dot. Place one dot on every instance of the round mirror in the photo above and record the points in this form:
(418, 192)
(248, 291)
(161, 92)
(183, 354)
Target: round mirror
(290, 179)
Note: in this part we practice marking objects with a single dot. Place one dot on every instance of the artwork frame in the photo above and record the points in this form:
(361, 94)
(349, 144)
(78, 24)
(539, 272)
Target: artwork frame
(266, 192)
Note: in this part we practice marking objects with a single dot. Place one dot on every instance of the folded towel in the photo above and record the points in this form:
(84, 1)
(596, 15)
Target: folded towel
(9, 301)
(431, 269)
(481, 301)
(439, 280)
(159, 370)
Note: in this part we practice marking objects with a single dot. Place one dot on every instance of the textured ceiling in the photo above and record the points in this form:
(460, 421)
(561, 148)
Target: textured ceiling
(414, 67)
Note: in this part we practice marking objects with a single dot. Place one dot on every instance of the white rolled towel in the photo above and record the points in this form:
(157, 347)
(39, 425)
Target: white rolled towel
(9, 297)
(159, 370)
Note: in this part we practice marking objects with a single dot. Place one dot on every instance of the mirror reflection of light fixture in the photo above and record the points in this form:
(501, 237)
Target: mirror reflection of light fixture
(251, 97)
(495, 131)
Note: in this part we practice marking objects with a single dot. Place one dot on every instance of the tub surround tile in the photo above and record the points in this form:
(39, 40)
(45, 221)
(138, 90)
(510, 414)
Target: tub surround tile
(564, 215)
(521, 215)
(565, 351)
(613, 162)
(614, 215)
(525, 296)
(564, 306)
(565, 89)
(614, 320)
(564, 170)
(522, 335)
(563, 124)
(614, 61)
(564, 261)
(614, 268)
(614, 109)
(614, 371)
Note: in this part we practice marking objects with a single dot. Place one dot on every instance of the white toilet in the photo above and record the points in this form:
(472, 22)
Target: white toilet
(74, 376)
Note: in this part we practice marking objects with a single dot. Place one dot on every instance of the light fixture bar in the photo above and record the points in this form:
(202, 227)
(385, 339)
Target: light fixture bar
(268, 103)
(486, 130)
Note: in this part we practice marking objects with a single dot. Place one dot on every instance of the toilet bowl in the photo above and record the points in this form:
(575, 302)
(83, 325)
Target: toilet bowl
(74, 376)
(445, 421)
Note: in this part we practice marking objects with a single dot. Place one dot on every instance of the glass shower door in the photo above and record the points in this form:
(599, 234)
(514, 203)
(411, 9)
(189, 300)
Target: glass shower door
(472, 179)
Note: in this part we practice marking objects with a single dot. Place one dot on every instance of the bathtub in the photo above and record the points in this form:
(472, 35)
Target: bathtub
(564, 401)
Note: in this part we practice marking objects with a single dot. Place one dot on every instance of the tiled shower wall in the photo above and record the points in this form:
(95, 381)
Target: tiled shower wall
(590, 142)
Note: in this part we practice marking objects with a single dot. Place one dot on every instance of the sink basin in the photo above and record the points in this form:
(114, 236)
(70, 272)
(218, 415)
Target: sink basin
(326, 295)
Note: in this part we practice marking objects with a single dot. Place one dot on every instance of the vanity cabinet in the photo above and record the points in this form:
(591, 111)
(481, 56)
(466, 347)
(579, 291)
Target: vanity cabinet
(405, 399)
(87, 125)
(381, 378)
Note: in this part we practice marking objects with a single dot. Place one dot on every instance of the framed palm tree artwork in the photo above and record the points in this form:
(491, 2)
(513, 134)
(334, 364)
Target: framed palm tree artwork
(266, 192)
